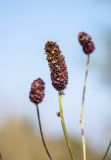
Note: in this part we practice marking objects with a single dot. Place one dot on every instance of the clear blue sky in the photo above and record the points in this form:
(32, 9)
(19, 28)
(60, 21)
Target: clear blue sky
(25, 26)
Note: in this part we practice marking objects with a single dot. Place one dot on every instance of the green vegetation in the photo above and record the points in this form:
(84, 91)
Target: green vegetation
(19, 140)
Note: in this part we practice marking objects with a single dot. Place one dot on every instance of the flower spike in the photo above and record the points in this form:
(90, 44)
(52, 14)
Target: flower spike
(37, 94)
(86, 42)
(57, 65)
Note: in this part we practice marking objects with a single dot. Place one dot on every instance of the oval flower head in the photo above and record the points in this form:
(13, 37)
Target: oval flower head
(86, 42)
(37, 91)
(57, 65)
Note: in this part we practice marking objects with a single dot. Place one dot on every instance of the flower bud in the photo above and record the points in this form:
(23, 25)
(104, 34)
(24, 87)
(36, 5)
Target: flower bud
(37, 94)
(86, 42)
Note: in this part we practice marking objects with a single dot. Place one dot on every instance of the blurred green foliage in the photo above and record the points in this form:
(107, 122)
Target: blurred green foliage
(20, 141)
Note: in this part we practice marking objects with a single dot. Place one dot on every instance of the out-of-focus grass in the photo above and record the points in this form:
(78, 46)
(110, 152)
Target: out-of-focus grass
(20, 141)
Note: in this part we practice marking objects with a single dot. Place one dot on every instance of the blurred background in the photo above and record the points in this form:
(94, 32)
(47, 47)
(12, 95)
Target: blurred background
(25, 26)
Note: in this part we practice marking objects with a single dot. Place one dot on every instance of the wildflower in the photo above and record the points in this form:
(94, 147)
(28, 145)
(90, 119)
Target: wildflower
(57, 65)
(37, 94)
(88, 47)
(86, 42)
(59, 77)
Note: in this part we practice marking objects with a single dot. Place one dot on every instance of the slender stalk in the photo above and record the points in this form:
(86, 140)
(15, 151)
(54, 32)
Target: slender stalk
(0, 156)
(82, 110)
(64, 127)
(107, 150)
(42, 135)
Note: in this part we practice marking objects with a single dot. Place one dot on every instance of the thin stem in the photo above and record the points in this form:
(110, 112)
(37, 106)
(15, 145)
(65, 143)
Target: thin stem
(82, 110)
(64, 128)
(107, 150)
(41, 132)
(0, 156)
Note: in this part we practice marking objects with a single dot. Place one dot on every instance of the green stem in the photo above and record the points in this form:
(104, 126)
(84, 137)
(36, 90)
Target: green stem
(107, 150)
(41, 132)
(82, 110)
(64, 128)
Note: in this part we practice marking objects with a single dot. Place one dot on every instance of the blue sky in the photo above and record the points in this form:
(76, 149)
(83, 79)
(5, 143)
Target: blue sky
(25, 26)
